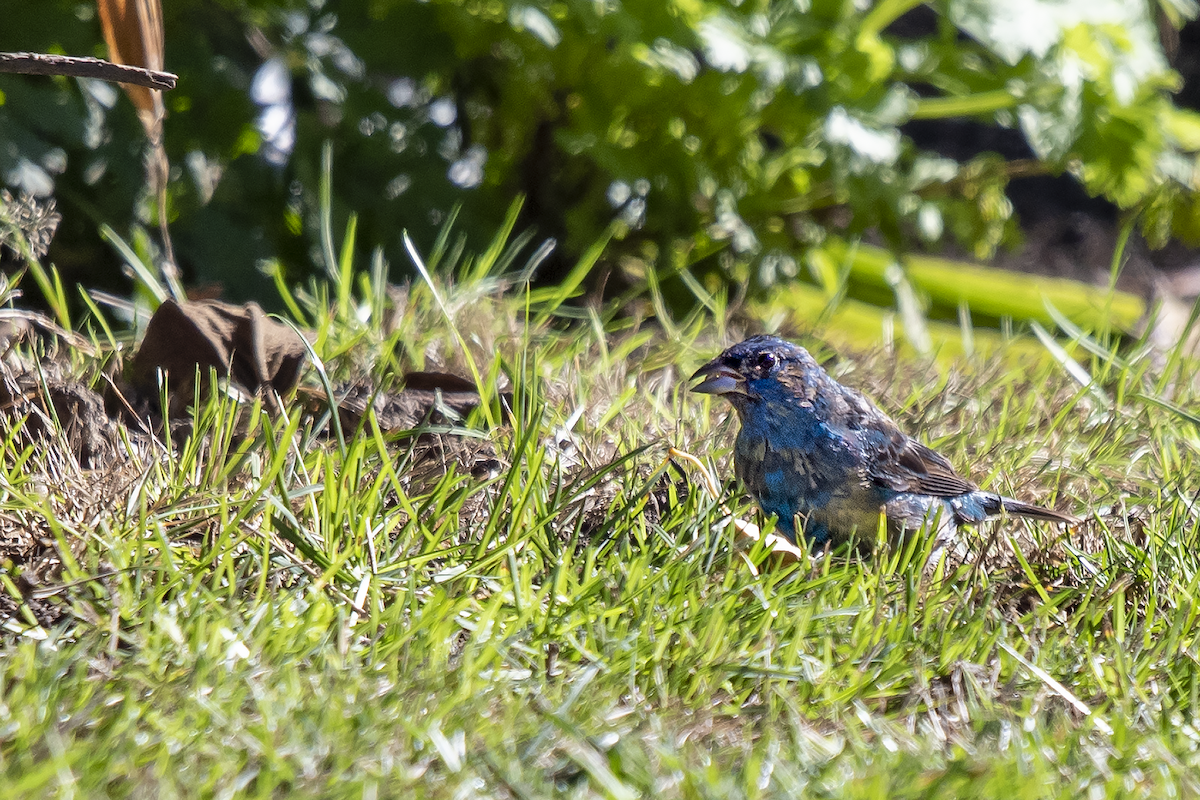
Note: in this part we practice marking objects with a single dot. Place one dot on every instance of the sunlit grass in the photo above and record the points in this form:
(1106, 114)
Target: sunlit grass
(265, 610)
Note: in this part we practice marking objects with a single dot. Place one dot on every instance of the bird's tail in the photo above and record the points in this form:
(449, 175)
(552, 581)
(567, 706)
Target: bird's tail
(1019, 509)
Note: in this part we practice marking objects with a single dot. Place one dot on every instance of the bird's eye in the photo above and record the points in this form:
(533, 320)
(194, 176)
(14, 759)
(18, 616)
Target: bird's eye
(765, 362)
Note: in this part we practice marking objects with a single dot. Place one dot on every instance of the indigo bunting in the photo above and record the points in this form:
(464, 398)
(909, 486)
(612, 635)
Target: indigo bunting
(826, 461)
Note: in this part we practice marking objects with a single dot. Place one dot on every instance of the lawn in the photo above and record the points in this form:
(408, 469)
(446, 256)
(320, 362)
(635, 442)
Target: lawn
(266, 604)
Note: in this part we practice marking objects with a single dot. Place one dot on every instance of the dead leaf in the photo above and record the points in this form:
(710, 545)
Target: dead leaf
(239, 342)
(428, 398)
(133, 31)
(436, 398)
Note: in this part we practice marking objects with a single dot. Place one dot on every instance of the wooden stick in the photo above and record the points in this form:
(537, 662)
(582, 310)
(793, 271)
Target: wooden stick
(85, 67)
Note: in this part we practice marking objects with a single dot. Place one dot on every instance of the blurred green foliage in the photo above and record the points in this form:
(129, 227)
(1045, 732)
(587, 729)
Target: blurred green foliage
(753, 141)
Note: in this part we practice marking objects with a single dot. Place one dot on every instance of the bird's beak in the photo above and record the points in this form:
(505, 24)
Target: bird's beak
(720, 379)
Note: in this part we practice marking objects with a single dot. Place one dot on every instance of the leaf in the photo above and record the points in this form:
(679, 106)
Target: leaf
(1182, 125)
(133, 31)
(241, 342)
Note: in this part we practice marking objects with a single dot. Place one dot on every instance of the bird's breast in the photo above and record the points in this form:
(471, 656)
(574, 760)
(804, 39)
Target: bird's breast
(779, 471)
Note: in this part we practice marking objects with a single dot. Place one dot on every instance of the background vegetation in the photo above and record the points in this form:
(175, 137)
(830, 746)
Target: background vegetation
(750, 143)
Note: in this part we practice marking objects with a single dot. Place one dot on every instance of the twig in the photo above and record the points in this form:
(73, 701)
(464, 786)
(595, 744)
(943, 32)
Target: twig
(85, 67)
(48, 325)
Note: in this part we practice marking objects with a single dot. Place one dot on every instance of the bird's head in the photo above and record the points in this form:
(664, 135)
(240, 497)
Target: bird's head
(745, 371)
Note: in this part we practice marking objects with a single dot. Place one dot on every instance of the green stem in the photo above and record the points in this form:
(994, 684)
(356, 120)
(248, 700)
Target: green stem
(966, 106)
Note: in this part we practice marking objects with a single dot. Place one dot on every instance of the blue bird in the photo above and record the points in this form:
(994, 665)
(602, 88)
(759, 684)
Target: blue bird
(825, 461)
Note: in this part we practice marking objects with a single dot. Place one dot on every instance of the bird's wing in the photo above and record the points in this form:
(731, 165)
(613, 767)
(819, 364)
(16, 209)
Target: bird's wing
(928, 472)
(898, 462)
(889, 458)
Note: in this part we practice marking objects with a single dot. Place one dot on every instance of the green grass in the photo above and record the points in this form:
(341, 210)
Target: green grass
(269, 611)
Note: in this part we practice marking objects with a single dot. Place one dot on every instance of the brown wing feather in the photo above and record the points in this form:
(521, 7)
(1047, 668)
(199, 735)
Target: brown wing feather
(913, 467)
(932, 473)
(900, 463)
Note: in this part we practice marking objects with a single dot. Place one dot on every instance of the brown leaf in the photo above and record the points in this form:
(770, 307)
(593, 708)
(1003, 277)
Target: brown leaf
(239, 342)
(426, 397)
(439, 381)
(133, 31)
(436, 398)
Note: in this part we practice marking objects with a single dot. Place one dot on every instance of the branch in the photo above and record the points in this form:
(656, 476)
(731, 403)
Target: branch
(82, 67)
